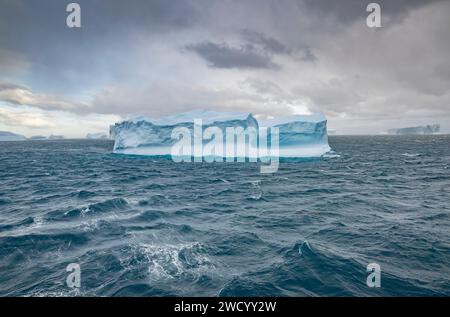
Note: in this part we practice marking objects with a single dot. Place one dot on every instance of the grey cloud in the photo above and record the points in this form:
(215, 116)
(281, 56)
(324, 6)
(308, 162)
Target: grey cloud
(349, 11)
(68, 59)
(225, 56)
(332, 97)
(269, 44)
(263, 87)
(398, 71)
(307, 55)
(10, 86)
(15, 94)
(274, 46)
(25, 119)
(99, 19)
(338, 97)
(12, 63)
(159, 100)
(316, 46)
(257, 52)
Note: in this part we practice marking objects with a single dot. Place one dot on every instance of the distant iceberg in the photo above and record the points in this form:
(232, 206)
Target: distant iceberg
(38, 138)
(299, 136)
(97, 136)
(56, 137)
(427, 129)
(10, 136)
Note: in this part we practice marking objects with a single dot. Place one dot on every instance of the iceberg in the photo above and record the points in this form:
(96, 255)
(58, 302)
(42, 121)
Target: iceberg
(146, 136)
(56, 137)
(421, 130)
(299, 136)
(38, 138)
(96, 136)
(10, 136)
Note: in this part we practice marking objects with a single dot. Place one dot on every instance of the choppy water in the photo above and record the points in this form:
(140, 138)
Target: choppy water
(149, 226)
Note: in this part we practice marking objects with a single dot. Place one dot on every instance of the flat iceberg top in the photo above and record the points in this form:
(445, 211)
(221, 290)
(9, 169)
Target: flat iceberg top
(312, 118)
(207, 117)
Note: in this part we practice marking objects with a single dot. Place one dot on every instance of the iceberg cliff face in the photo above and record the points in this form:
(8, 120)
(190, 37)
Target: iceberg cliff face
(299, 136)
(154, 136)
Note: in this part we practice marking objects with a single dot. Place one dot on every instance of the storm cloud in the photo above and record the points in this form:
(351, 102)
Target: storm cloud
(270, 57)
(224, 56)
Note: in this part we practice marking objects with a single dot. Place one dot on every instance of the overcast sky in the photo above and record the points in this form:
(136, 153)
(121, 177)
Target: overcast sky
(268, 57)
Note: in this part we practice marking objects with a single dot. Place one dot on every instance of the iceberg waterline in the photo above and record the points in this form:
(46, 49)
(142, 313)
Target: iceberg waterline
(298, 136)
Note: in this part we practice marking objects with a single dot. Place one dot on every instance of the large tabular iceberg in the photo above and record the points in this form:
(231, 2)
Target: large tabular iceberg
(299, 136)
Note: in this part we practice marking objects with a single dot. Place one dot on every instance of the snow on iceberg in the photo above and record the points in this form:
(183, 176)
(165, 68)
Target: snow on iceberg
(299, 136)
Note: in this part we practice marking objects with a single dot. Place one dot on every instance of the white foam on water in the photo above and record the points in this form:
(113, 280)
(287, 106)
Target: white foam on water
(170, 261)
(56, 293)
(411, 154)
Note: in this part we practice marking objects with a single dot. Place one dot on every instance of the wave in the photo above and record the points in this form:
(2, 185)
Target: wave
(41, 242)
(169, 261)
(109, 205)
(411, 154)
(25, 222)
(308, 270)
(152, 227)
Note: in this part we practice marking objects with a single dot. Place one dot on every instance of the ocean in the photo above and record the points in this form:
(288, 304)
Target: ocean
(147, 226)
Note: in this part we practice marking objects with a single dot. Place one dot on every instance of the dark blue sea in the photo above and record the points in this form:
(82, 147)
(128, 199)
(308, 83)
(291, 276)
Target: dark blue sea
(147, 226)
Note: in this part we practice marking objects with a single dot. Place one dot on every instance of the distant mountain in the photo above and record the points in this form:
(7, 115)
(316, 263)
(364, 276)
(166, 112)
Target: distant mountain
(10, 136)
